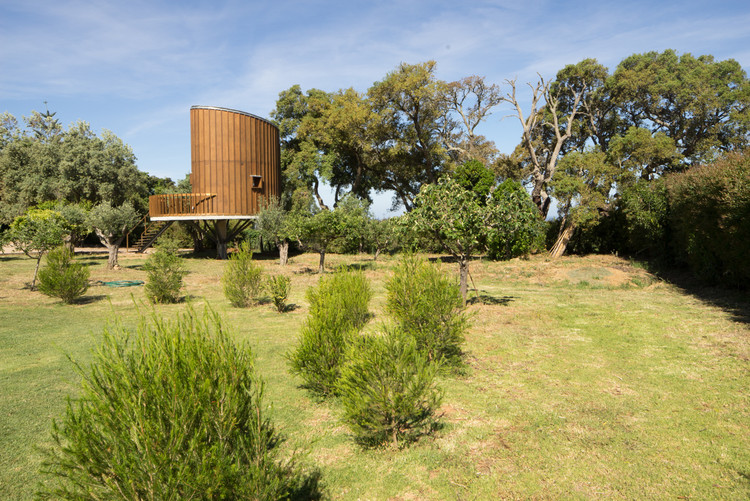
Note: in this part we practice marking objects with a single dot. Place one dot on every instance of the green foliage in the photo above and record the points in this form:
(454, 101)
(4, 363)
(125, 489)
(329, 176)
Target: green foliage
(36, 232)
(171, 411)
(165, 271)
(44, 163)
(428, 306)
(475, 177)
(517, 228)
(355, 218)
(242, 281)
(278, 287)
(454, 217)
(320, 231)
(338, 311)
(111, 223)
(62, 277)
(710, 219)
(388, 391)
(645, 207)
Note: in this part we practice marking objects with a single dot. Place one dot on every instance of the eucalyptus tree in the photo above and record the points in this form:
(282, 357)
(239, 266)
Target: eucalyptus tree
(552, 119)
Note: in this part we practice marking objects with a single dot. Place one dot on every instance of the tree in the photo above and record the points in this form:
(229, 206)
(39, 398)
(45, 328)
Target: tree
(412, 103)
(303, 164)
(701, 104)
(516, 227)
(43, 163)
(453, 216)
(274, 224)
(475, 177)
(553, 119)
(583, 185)
(319, 231)
(110, 225)
(472, 99)
(36, 232)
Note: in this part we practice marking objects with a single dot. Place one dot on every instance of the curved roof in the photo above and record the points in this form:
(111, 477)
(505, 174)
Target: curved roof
(230, 110)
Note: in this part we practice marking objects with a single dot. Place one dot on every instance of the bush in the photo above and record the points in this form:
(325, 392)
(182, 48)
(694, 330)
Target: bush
(243, 278)
(62, 277)
(165, 272)
(518, 229)
(428, 305)
(388, 391)
(338, 311)
(171, 411)
(710, 219)
(645, 207)
(278, 288)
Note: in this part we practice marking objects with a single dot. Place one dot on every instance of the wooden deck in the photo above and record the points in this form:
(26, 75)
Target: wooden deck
(182, 205)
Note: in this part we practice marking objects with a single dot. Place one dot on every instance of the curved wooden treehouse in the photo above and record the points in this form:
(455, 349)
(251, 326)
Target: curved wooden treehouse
(235, 166)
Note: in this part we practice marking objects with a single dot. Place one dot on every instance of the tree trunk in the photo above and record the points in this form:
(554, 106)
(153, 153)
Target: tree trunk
(377, 253)
(321, 267)
(283, 253)
(566, 232)
(36, 270)
(221, 239)
(463, 265)
(113, 249)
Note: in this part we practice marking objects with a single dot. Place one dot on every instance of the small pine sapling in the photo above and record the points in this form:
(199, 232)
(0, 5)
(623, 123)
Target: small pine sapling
(388, 391)
(278, 287)
(243, 278)
(165, 272)
(63, 277)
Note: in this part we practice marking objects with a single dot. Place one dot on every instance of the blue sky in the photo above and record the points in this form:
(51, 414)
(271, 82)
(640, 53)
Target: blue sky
(136, 67)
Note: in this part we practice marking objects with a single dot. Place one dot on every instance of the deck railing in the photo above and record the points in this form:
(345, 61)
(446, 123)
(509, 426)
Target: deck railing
(181, 204)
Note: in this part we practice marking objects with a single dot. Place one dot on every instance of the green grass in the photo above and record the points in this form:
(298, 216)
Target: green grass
(588, 378)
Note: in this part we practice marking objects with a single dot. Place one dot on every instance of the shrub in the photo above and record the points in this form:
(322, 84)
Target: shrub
(338, 310)
(710, 219)
(517, 227)
(165, 271)
(278, 288)
(170, 411)
(428, 305)
(243, 278)
(388, 391)
(62, 277)
(645, 207)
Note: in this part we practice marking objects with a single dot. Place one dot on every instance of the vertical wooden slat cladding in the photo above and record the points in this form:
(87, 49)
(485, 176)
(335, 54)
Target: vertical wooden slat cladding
(228, 147)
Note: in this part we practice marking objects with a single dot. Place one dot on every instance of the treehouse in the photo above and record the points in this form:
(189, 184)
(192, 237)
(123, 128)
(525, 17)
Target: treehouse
(235, 165)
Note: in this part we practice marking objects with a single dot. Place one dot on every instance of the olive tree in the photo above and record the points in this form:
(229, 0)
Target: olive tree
(111, 225)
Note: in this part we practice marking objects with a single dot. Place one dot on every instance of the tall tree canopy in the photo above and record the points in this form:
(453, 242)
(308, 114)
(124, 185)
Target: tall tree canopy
(408, 129)
(43, 162)
(588, 135)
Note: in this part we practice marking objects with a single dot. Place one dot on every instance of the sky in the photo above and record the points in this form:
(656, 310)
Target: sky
(137, 67)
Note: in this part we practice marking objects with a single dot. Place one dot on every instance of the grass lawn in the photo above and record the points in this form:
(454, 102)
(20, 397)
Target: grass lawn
(587, 378)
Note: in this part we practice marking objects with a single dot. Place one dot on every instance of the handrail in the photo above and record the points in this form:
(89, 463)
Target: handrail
(181, 204)
(127, 235)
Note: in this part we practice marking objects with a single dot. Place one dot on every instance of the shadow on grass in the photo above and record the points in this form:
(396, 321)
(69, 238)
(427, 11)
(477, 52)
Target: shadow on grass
(482, 297)
(16, 257)
(307, 486)
(90, 299)
(358, 266)
(734, 301)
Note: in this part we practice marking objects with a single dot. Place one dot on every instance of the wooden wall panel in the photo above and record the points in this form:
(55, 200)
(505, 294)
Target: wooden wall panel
(228, 147)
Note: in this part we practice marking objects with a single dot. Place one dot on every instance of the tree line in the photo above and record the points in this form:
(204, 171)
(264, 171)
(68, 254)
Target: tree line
(587, 135)
(589, 139)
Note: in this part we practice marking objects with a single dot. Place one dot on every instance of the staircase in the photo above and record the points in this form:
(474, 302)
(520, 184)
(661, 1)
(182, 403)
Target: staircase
(151, 233)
